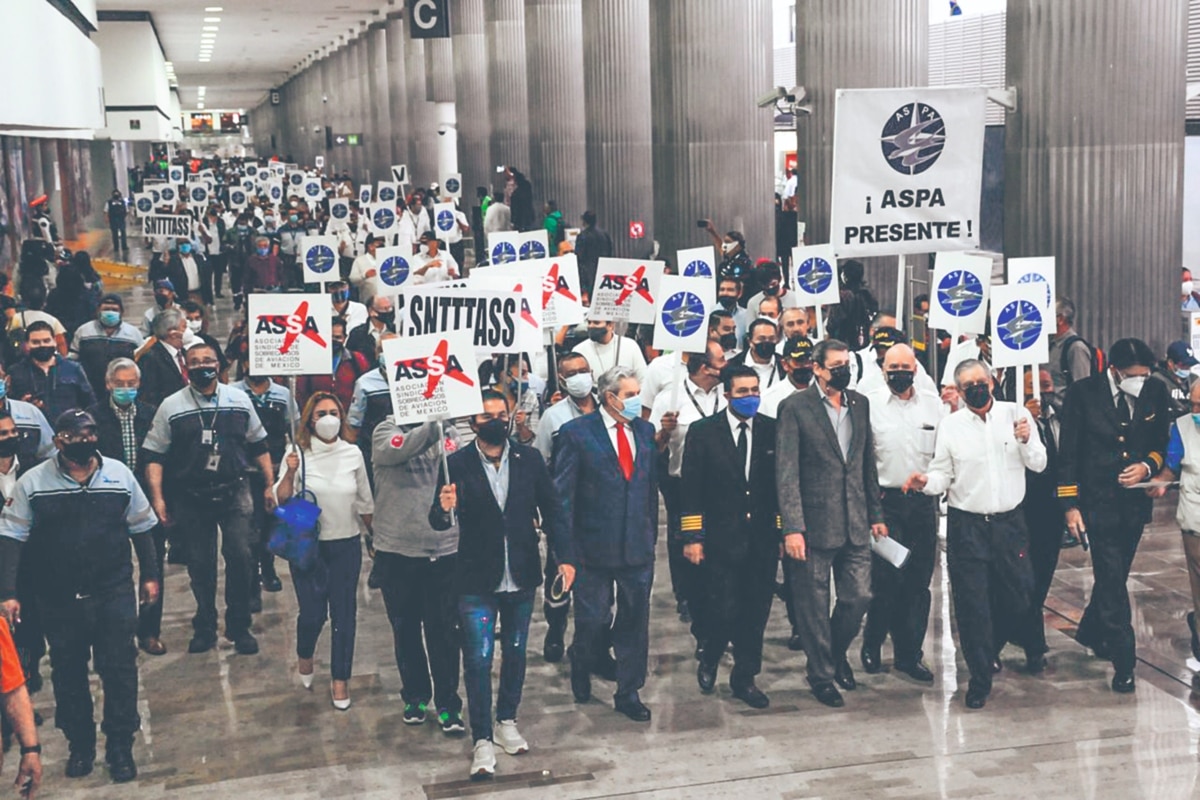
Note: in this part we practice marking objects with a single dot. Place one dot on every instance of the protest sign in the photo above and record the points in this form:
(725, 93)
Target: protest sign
(681, 321)
(432, 377)
(319, 257)
(697, 262)
(290, 334)
(626, 289)
(961, 286)
(1020, 325)
(815, 275)
(560, 290)
(177, 226)
(491, 316)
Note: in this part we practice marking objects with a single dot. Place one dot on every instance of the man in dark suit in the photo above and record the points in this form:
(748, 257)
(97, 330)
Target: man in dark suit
(498, 487)
(729, 524)
(829, 498)
(1114, 435)
(605, 470)
(162, 366)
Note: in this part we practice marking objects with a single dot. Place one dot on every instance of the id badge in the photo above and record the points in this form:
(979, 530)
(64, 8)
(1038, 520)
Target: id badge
(214, 462)
(206, 437)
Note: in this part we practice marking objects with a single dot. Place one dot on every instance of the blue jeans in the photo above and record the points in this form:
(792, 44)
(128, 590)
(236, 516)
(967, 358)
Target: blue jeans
(479, 614)
(329, 589)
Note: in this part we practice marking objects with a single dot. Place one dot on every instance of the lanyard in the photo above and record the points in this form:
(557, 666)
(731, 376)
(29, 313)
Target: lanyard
(616, 360)
(207, 436)
(699, 410)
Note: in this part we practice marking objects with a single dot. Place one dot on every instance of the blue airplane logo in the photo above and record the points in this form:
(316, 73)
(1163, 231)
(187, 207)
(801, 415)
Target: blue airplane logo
(960, 293)
(1019, 325)
(394, 271)
(320, 258)
(384, 218)
(531, 250)
(682, 314)
(814, 275)
(445, 221)
(503, 253)
(697, 269)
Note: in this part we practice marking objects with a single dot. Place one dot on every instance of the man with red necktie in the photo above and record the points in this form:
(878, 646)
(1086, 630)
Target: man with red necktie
(605, 470)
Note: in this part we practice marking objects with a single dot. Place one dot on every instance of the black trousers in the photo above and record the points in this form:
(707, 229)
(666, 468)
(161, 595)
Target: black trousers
(556, 611)
(196, 522)
(900, 598)
(1108, 617)
(688, 581)
(30, 636)
(419, 596)
(150, 617)
(458, 251)
(216, 271)
(99, 628)
(740, 592)
(1044, 520)
(117, 229)
(990, 579)
(630, 628)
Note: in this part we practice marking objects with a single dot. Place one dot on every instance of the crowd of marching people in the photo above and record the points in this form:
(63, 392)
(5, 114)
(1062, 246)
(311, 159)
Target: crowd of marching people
(792, 462)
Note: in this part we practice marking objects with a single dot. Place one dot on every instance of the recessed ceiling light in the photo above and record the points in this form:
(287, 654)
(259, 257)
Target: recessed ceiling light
(205, 58)
(200, 105)
(214, 9)
(212, 19)
(211, 28)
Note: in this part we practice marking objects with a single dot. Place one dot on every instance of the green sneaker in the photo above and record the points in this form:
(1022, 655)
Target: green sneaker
(414, 713)
(452, 723)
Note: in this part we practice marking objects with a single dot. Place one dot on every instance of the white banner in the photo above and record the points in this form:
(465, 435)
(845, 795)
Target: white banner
(443, 219)
(1035, 270)
(626, 289)
(312, 190)
(386, 192)
(432, 377)
(339, 214)
(907, 170)
(364, 194)
(295, 182)
(290, 334)
(383, 219)
(1020, 325)
(491, 316)
(452, 185)
(815, 275)
(560, 290)
(528, 288)
(961, 285)
(533, 245)
(681, 324)
(502, 247)
(696, 262)
(175, 226)
(319, 255)
(395, 268)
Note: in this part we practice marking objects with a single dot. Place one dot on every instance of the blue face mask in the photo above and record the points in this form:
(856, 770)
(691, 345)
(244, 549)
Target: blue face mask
(110, 319)
(184, 249)
(745, 407)
(3, 389)
(1195, 418)
(124, 396)
(1183, 373)
(262, 251)
(631, 407)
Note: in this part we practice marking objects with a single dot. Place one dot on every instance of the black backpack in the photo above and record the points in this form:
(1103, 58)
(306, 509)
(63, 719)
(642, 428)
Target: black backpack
(1097, 357)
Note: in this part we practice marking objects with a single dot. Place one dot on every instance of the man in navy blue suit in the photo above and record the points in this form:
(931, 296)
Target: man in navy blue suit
(606, 477)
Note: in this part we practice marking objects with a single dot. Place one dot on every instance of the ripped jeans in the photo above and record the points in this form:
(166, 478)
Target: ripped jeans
(479, 614)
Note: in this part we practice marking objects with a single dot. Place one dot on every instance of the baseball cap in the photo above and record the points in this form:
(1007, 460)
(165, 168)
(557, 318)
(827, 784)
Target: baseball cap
(164, 283)
(798, 348)
(1181, 353)
(886, 337)
(74, 421)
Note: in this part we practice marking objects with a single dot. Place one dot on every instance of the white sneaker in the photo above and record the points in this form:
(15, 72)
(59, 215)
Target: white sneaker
(483, 763)
(509, 738)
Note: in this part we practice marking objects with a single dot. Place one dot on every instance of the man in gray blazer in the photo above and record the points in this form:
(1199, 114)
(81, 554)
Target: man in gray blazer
(829, 499)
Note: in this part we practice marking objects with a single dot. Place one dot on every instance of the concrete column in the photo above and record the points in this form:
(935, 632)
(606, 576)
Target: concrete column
(379, 103)
(507, 82)
(447, 142)
(712, 145)
(471, 97)
(422, 144)
(557, 133)
(439, 91)
(359, 90)
(1094, 157)
(616, 106)
(397, 47)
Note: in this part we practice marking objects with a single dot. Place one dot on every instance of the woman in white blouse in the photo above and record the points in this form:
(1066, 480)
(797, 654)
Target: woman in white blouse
(333, 470)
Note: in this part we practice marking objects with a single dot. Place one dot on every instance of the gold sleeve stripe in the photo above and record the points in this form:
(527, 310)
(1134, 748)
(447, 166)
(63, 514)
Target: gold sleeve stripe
(1068, 491)
(1157, 459)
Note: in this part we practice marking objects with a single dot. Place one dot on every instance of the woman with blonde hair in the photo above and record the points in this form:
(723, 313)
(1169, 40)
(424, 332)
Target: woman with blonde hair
(323, 463)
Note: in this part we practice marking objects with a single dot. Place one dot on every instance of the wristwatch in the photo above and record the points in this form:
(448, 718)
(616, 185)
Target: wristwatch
(36, 749)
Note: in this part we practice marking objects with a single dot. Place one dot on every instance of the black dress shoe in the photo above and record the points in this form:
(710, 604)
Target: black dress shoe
(202, 643)
(271, 582)
(552, 649)
(917, 671)
(706, 676)
(751, 695)
(245, 644)
(976, 698)
(845, 676)
(80, 762)
(795, 643)
(632, 708)
(1035, 664)
(121, 767)
(1122, 683)
(827, 694)
(1191, 621)
(870, 659)
(581, 683)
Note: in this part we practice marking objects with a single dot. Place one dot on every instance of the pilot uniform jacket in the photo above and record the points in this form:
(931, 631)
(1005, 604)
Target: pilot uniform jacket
(607, 521)
(484, 527)
(1094, 448)
(731, 517)
(832, 500)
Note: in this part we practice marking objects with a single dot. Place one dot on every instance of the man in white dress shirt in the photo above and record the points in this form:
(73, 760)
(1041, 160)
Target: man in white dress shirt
(605, 350)
(796, 360)
(980, 459)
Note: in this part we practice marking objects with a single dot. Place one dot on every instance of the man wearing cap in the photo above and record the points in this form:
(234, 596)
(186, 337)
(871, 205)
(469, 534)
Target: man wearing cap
(1175, 372)
(114, 212)
(164, 298)
(72, 519)
(105, 338)
(431, 264)
(872, 378)
(796, 360)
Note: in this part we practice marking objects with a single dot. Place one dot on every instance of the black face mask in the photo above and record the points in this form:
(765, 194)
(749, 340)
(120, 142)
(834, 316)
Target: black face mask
(770, 290)
(729, 341)
(839, 377)
(977, 395)
(388, 318)
(900, 380)
(79, 452)
(42, 354)
(597, 334)
(201, 377)
(764, 349)
(727, 302)
(162, 300)
(9, 447)
(493, 432)
(802, 376)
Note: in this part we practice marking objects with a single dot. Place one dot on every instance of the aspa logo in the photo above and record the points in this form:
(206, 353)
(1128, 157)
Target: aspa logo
(394, 270)
(553, 284)
(532, 249)
(276, 193)
(1019, 324)
(320, 259)
(960, 293)
(386, 194)
(237, 198)
(442, 364)
(1037, 277)
(364, 194)
(294, 325)
(296, 178)
(814, 275)
(628, 285)
(339, 210)
(682, 314)
(144, 205)
(248, 185)
(453, 186)
(168, 194)
(503, 253)
(199, 193)
(697, 269)
(312, 189)
(913, 138)
(383, 218)
(445, 221)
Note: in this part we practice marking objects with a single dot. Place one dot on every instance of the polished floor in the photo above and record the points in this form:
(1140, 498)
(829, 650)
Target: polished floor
(220, 725)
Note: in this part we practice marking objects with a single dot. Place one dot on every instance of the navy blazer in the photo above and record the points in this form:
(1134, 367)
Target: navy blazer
(607, 521)
(483, 526)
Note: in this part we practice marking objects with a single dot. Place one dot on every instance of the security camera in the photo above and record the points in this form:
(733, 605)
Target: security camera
(797, 94)
(442, 131)
(772, 97)
(324, 98)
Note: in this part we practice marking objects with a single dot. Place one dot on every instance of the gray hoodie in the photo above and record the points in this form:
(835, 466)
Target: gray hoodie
(407, 461)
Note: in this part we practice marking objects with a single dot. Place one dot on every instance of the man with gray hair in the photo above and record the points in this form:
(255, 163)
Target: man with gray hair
(1070, 356)
(980, 459)
(606, 474)
(122, 422)
(163, 369)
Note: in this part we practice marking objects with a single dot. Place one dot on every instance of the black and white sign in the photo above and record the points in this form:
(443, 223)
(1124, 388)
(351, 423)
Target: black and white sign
(429, 19)
(400, 173)
(432, 377)
(452, 185)
(491, 316)
(178, 226)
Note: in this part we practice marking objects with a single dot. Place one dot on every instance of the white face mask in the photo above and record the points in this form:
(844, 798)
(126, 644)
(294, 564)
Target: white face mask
(728, 247)
(328, 427)
(194, 325)
(580, 385)
(1131, 384)
(1187, 288)
(424, 249)
(189, 338)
